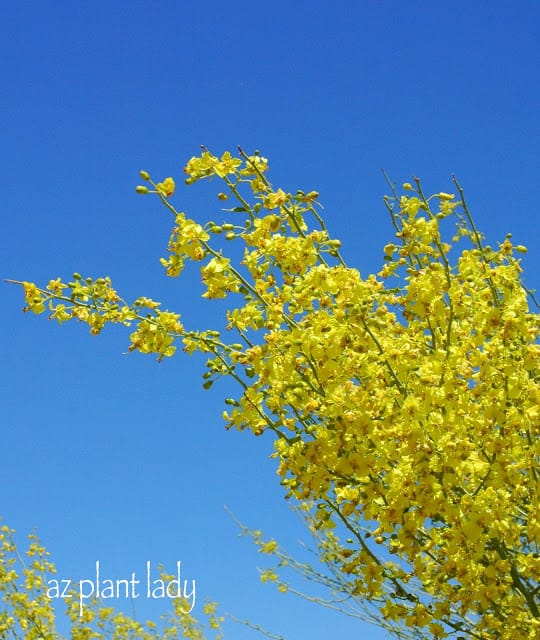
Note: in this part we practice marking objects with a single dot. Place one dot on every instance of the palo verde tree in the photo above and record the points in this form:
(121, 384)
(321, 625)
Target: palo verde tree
(404, 405)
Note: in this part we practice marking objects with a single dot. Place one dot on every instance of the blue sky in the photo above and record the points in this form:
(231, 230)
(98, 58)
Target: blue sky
(118, 458)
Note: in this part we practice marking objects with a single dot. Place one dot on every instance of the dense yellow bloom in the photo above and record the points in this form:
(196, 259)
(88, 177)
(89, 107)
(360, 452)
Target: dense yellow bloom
(404, 404)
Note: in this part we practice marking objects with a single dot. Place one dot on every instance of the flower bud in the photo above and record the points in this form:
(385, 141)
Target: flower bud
(141, 189)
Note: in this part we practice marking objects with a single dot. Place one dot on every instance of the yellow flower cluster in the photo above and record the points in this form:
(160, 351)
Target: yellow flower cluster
(218, 278)
(187, 242)
(404, 404)
(208, 165)
(96, 303)
(27, 611)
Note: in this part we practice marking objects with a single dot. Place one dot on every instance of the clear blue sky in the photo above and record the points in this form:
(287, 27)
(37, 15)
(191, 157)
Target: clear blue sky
(118, 458)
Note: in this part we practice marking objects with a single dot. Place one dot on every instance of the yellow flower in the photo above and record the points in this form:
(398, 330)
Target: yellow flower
(34, 298)
(166, 188)
(269, 547)
(227, 165)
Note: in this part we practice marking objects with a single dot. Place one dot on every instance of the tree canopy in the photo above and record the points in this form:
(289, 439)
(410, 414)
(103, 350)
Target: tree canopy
(404, 404)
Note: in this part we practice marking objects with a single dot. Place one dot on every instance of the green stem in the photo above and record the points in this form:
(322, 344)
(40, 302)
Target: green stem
(478, 240)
